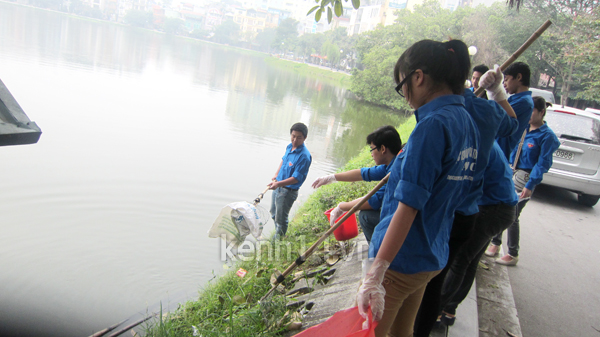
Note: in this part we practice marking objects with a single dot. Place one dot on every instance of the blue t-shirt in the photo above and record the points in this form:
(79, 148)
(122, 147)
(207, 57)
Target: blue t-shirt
(498, 186)
(491, 121)
(376, 173)
(295, 164)
(536, 154)
(522, 103)
(434, 176)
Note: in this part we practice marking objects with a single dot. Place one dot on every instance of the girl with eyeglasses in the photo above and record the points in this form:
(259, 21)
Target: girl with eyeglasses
(410, 244)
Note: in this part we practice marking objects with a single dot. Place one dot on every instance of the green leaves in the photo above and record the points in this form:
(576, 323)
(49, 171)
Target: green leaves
(333, 7)
(355, 4)
(338, 9)
(312, 10)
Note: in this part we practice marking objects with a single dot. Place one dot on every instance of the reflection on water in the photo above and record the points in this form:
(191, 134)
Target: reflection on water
(146, 137)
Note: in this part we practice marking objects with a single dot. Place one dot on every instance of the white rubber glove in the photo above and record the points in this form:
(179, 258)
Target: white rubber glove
(335, 213)
(491, 81)
(371, 293)
(324, 181)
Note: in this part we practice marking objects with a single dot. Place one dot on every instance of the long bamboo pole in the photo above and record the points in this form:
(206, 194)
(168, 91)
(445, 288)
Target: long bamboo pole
(315, 245)
(520, 51)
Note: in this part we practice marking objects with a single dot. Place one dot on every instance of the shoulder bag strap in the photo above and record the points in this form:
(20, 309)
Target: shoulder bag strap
(514, 166)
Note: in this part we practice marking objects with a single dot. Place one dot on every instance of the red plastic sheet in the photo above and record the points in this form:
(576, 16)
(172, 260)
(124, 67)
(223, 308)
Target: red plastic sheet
(345, 323)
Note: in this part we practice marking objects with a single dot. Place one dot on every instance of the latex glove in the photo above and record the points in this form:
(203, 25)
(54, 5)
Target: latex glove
(324, 181)
(371, 293)
(491, 81)
(335, 213)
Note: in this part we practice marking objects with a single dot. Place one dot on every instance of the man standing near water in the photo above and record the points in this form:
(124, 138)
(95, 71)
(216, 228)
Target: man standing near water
(290, 175)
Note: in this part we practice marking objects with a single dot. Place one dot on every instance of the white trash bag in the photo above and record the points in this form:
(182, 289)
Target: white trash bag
(239, 219)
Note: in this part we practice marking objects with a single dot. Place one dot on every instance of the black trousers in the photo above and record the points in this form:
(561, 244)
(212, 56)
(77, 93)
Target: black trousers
(430, 308)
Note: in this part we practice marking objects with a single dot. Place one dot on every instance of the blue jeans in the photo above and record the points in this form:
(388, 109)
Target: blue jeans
(368, 220)
(281, 203)
(492, 219)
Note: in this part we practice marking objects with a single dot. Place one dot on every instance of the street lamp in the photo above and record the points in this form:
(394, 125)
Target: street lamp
(472, 50)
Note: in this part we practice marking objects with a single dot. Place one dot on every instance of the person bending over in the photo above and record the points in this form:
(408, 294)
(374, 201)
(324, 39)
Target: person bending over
(385, 143)
(290, 175)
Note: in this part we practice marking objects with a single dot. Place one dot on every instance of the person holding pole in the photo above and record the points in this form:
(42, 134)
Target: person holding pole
(493, 118)
(497, 209)
(516, 82)
(290, 175)
(385, 143)
(410, 243)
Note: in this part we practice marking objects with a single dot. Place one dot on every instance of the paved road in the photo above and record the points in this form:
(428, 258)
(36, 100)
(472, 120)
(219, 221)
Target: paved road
(556, 284)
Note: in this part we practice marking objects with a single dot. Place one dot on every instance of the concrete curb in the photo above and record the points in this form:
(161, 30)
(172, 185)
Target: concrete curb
(496, 304)
(489, 309)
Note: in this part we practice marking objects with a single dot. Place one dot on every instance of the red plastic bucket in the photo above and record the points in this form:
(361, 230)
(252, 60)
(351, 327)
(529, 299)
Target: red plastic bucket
(347, 230)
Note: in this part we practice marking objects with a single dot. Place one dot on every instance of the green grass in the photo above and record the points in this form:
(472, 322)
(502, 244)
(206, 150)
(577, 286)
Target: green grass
(333, 77)
(228, 305)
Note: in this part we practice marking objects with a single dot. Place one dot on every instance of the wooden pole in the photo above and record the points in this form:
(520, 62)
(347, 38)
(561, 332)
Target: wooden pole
(315, 245)
(520, 51)
(260, 196)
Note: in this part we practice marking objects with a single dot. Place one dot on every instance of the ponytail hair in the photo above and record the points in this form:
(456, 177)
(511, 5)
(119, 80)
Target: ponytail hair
(445, 62)
(540, 104)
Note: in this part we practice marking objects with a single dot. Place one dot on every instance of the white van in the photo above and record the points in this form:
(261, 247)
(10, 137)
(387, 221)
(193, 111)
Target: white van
(545, 94)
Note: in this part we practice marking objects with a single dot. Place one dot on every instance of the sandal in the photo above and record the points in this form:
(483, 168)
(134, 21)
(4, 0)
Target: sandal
(447, 319)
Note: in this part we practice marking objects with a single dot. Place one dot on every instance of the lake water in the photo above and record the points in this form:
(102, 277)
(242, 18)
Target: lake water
(145, 138)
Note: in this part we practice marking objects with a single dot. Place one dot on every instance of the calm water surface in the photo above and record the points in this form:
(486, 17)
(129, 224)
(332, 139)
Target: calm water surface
(145, 138)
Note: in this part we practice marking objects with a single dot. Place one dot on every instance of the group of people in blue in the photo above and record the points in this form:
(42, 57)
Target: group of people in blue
(451, 187)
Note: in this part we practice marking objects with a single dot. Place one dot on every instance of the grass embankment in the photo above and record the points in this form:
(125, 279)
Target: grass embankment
(334, 77)
(228, 305)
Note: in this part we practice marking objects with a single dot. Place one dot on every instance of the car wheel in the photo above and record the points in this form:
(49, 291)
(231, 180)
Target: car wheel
(588, 200)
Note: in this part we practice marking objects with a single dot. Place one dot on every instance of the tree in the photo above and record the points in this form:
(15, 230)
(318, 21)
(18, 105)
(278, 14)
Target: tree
(173, 25)
(265, 39)
(587, 55)
(138, 18)
(332, 7)
(286, 35)
(227, 32)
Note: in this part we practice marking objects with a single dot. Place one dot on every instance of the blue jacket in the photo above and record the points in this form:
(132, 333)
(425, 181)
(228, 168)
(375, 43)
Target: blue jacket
(295, 164)
(433, 178)
(536, 155)
(498, 186)
(376, 173)
(522, 103)
(491, 121)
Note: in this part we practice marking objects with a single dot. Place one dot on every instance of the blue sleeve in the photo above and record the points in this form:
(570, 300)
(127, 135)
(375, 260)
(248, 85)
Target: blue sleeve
(422, 164)
(377, 199)
(508, 125)
(302, 167)
(548, 145)
(373, 173)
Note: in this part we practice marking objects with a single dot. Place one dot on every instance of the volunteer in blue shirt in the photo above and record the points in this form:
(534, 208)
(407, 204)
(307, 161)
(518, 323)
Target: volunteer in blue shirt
(516, 83)
(497, 208)
(535, 160)
(410, 244)
(493, 118)
(478, 71)
(385, 143)
(290, 175)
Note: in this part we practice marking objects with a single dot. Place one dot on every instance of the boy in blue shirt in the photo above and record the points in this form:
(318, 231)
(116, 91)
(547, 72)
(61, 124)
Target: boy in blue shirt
(516, 83)
(385, 143)
(290, 175)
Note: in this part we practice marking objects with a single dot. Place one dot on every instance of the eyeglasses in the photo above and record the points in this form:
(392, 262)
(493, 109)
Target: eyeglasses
(373, 149)
(401, 84)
